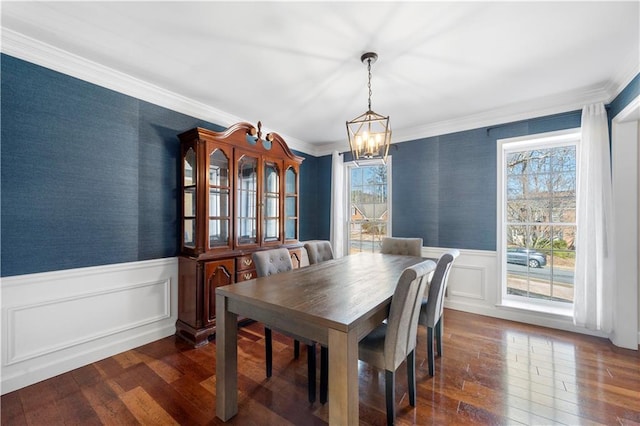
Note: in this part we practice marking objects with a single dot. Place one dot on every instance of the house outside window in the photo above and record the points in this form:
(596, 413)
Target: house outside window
(537, 220)
(369, 205)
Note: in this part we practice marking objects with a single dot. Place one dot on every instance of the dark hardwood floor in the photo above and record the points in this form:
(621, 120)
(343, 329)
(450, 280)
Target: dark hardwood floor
(492, 372)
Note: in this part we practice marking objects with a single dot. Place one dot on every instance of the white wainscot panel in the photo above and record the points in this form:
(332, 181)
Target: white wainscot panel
(467, 281)
(470, 278)
(42, 328)
(58, 321)
(474, 286)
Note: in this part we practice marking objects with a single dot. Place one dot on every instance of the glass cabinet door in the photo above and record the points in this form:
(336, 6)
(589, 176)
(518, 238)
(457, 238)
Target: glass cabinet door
(247, 200)
(189, 199)
(219, 191)
(271, 193)
(291, 204)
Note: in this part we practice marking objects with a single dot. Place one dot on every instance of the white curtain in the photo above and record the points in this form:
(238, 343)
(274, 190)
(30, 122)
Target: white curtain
(595, 274)
(337, 205)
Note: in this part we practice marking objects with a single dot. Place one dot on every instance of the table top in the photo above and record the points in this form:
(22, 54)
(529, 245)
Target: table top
(334, 294)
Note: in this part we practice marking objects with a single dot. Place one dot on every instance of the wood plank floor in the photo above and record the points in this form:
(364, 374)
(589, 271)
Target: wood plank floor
(493, 372)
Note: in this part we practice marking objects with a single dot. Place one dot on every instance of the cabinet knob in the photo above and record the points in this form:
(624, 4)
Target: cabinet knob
(247, 276)
(247, 262)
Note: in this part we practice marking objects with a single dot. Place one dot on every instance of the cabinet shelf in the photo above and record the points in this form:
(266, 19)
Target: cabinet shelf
(239, 195)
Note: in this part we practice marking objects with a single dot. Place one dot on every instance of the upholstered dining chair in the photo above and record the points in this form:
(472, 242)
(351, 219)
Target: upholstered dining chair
(393, 342)
(433, 305)
(404, 246)
(274, 261)
(318, 251)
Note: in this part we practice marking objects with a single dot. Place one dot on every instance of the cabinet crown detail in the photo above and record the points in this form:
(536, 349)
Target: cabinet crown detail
(244, 135)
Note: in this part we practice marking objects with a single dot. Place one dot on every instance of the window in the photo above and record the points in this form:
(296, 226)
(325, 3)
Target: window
(537, 215)
(369, 205)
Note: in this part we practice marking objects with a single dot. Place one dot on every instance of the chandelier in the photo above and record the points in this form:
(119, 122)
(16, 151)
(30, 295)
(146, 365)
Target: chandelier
(369, 134)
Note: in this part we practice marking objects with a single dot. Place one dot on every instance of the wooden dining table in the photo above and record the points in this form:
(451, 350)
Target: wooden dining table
(335, 303)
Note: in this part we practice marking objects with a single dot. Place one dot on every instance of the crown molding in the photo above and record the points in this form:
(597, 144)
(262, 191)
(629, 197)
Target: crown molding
(34, 51)
(629, 70)
(31, 50)
(549, 105)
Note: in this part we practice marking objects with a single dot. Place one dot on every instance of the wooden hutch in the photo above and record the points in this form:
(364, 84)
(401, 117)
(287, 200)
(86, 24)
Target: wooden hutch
(239, 194)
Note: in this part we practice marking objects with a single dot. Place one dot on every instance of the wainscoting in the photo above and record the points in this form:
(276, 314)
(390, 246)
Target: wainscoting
(474, 286)
(57, 321)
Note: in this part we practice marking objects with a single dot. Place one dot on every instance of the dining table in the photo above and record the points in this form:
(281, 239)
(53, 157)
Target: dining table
(334, 303)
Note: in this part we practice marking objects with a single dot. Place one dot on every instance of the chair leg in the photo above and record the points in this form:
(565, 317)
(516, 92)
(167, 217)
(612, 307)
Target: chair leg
(311, 367)
(430, 357)
(411, 377)
(390, 391)
(324, 374)
(296, 349)
(439, 337)
(268, 350)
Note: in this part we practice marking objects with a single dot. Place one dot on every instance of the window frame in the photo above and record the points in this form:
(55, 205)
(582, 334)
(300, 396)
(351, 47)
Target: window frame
(505, 146)
(347, 196)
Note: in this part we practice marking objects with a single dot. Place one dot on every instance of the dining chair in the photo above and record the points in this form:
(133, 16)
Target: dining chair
(404, 246)
(274, 261)
(318, 251)
(394, 341)
(433, 305)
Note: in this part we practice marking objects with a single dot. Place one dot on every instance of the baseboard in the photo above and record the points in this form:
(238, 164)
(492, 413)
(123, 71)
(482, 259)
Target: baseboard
(55, 322)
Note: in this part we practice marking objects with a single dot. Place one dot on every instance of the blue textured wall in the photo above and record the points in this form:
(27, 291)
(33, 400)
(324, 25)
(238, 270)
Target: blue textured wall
(308, 197)
(89, 176)
(444, 187)
(322, 217)
(623, 99)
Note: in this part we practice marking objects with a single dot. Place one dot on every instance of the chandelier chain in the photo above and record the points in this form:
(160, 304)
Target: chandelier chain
(369, 84)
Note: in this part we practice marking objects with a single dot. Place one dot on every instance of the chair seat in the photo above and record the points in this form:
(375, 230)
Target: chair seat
(371, 347)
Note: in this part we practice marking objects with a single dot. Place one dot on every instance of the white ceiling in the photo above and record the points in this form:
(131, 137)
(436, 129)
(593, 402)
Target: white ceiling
(443, 66)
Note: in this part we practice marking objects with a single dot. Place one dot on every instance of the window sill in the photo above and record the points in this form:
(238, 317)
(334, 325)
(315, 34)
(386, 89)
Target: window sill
(559, 311)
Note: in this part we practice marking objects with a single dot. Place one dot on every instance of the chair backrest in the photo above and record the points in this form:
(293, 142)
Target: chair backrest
(402, 324)
(431, 313)
(404, 246)
(269, 262)
(318, 251)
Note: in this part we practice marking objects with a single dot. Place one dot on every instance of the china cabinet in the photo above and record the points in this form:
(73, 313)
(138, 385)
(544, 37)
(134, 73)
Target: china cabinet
(239, 193)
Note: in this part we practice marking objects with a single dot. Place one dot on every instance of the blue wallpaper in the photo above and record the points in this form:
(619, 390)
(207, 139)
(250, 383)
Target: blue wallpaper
(89, 176)
(444, 187)
(623, 99)
(322, 215)
(308, 197)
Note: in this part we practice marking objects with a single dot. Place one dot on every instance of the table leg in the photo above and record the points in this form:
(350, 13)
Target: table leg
(343, 378)
(226, 360)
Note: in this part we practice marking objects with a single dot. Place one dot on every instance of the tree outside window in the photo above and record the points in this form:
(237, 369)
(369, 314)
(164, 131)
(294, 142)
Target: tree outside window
(368, 207)
(540, 222)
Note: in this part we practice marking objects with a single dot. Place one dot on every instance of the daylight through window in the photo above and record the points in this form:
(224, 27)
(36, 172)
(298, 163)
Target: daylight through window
(539, 219)
(369, 206)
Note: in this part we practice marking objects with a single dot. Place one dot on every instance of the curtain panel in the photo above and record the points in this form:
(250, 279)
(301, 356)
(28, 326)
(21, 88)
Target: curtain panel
(337, 205)
(594, 296)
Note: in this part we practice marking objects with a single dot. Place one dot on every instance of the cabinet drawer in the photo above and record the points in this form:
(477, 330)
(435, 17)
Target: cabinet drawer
(246, 275)
(244, 262)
